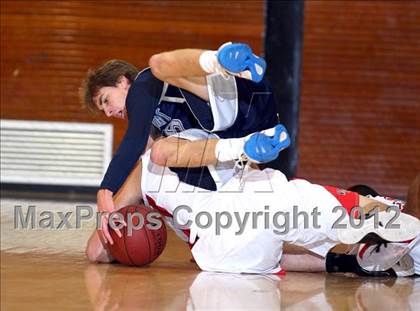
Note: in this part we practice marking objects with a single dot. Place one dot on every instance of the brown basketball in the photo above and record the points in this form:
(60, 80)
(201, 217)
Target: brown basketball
(146, 241)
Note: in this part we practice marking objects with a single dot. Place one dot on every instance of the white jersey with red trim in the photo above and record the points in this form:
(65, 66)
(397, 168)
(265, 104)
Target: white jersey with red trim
(241, 227)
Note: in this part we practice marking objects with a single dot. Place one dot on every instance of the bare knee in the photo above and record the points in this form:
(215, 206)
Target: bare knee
(158, 154)
(91, 253)
(158, 64)
(95, 250)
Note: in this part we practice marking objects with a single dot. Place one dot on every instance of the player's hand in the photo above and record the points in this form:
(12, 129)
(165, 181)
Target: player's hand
(106, 206)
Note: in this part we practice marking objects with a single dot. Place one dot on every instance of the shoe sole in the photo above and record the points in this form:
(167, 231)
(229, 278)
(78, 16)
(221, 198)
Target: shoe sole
(253, 148)
(238, 57)
(408, 228)
(399, 255)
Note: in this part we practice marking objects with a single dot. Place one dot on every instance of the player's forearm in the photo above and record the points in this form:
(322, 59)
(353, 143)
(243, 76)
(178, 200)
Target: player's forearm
(130, 191)
(177, 63)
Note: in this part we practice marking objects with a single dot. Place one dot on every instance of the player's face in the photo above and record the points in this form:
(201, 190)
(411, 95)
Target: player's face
(111, 99)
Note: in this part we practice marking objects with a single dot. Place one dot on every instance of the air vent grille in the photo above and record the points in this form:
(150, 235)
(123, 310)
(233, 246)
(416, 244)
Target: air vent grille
(54, 153)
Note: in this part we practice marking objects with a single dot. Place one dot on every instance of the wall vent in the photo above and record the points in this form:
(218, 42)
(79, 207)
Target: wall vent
(54, 153)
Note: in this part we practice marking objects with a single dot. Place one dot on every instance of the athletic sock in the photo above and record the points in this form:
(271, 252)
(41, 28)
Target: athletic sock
(348, 263)
(388, 201)
(340, 263)
(209, 63)
(229, 149)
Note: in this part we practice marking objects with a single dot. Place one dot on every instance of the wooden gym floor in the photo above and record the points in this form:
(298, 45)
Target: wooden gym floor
(46, 269)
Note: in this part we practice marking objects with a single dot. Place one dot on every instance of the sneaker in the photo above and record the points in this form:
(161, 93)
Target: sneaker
(414, 253)
(388, 201)
(385, 257)
(265, 146)
(238, 58)
(385, 227)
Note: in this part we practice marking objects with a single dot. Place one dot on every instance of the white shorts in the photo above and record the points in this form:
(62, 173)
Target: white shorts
(263, 208)
(260, 206)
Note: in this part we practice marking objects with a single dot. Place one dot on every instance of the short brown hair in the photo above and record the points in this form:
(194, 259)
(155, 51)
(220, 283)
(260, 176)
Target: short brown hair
(106, 75)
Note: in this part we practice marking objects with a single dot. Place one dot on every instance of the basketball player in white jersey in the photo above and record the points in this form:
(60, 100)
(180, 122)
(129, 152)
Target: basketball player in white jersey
(255, 247)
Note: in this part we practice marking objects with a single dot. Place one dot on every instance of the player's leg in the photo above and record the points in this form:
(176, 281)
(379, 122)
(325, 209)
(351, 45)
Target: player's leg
(129, 193)
(178, 152)
(337, 261)
(177, 63)
(302, 263)
(231, 58)
(181, 68)
(371, 220)
(387, 225)
(188, 68)
(379, 257)
(341, 260)
(96, 250)
(258, 147)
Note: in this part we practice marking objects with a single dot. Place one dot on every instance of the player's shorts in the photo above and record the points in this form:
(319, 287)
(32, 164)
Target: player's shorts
(258, 248)
(241, 227)
(347, 199)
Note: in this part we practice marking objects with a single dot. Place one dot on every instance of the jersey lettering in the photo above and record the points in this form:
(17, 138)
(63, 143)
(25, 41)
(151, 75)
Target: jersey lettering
(175, 126)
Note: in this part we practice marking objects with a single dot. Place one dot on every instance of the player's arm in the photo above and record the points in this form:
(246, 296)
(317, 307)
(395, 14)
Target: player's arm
(141, 103)
(128, 194)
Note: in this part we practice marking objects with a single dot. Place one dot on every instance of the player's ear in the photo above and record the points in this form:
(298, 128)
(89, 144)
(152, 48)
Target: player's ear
(123, 82)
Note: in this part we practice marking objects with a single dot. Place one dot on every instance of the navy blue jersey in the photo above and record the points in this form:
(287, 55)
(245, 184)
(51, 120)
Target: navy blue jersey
(141, 102)
(240, 109)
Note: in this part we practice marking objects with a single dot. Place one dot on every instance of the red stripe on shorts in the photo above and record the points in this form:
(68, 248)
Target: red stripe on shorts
(347, 199)
(166, 213)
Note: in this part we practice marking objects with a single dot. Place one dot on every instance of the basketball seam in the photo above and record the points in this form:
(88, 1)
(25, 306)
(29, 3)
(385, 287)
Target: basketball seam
(126, 249)
(145, 233)
(148, 239)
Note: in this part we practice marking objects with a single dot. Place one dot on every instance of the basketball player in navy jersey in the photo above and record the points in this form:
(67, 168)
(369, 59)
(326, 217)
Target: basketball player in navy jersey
(222, 92)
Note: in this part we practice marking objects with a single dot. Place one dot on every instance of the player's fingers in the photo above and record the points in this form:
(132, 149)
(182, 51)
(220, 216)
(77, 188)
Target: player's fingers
(101, 231)
(118, 232)
(116, 222)
(117, 217)
(108, 236)
(105, 230)
(102, 237)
